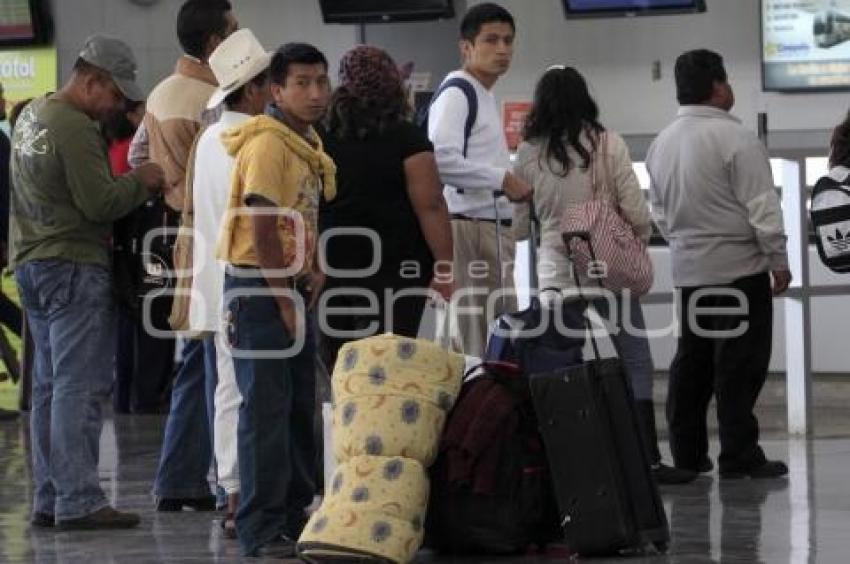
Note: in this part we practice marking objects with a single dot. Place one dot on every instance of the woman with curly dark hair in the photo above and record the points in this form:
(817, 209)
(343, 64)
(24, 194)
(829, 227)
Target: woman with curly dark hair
(387, 183)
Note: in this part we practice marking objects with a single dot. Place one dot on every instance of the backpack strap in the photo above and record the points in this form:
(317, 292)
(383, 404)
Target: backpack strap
(471, 99)
(827, 182)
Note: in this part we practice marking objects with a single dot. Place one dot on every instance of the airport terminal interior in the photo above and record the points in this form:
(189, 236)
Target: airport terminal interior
(789, 65)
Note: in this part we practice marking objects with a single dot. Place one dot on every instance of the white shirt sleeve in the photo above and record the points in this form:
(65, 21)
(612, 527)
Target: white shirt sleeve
(446, 122)
(522, 218)
(752, 182)
(656, 202)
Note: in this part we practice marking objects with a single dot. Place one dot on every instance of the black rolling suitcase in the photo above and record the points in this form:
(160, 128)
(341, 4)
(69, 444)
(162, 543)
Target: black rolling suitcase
(607, 499)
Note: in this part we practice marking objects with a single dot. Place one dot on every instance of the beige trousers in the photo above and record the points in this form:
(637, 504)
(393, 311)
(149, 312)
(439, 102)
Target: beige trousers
(478, 300)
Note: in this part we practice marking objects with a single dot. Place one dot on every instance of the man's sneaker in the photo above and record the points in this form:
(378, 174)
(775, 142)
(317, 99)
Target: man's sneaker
(42, 520)
(668, 475)
(105, 518)
(770, 469)
(178, 503)
(705, 466)
(279, 547)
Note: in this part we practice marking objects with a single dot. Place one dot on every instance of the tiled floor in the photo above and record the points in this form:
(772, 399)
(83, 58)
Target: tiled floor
(805, 518)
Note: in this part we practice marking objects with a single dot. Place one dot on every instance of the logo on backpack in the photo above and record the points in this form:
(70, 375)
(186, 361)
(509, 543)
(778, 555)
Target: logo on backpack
(840, 243)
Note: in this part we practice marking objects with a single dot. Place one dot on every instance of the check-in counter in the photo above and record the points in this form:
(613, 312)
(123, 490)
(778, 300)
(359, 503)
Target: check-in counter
(830, 346)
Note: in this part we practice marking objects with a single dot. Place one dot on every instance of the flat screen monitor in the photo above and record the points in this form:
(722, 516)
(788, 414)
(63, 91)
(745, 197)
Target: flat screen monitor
(24, 22)
(380, 11)
(805, 45)
(606, 8)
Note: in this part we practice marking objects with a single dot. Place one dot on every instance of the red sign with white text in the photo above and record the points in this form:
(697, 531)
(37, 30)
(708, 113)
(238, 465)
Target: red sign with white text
(513, 119)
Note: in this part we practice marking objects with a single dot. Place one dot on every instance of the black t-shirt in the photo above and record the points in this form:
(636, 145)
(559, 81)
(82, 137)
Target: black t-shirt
(372, 192)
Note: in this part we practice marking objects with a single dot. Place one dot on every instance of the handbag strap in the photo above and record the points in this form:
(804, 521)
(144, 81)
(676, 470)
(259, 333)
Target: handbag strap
(600, 158)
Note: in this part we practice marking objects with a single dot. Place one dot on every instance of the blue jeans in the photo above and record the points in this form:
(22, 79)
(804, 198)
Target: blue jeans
(632, 348)
(187, 446)
(276, 442)
(71, 315)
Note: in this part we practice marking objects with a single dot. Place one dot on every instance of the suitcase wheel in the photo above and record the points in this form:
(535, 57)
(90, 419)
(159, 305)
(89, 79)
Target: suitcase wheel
(661, 546)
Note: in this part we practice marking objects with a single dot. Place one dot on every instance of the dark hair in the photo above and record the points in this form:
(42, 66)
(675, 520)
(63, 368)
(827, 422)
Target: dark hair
(16, 110)
(482, 14)
(562, 111)
(298, 53)
(237, 95)
(696, 73)
(839, 145)
(118, 126)
(197, 21)
(353, 117)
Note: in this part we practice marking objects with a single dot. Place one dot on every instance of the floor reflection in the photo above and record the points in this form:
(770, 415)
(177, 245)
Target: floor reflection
(799, 520)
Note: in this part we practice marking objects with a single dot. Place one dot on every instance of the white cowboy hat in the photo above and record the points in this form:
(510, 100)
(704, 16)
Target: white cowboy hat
(237, 60)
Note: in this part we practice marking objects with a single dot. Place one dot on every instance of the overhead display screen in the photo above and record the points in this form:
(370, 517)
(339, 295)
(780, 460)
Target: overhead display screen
(602, 8)
(805, 45)
(377, 11)
(16, 20)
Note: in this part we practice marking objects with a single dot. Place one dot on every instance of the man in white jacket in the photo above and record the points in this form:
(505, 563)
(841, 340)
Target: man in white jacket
(473, 167)
(240, 64)
(714, 201)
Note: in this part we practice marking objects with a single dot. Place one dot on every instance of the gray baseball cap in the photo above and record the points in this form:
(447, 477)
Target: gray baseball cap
(115, 57)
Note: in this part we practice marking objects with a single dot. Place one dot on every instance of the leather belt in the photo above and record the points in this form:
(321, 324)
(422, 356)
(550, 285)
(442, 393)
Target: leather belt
(502, 222)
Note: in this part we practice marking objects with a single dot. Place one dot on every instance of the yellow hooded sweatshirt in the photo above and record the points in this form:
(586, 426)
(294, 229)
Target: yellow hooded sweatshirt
(277, 164)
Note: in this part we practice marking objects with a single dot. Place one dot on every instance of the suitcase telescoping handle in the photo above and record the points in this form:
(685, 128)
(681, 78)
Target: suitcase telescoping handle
(533, 243)
(569, 237)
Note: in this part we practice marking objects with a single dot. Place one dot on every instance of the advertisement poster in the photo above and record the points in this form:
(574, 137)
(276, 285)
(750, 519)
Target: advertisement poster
(27, 72)
(513, 119)
(806, 44)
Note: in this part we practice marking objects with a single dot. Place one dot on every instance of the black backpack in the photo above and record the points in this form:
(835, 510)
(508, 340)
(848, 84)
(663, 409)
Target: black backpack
(471, 98)
(830, 213)
(138, 274)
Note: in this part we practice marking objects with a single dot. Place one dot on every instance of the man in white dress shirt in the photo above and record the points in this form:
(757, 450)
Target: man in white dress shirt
(474, 167)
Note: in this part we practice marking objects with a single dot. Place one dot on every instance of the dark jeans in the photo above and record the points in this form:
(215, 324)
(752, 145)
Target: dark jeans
(276, 444)
(402, 317)
(187, 446)
(630, 342)
(732, 367)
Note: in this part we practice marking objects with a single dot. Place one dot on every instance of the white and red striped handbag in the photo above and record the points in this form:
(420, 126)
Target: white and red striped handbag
(621, 258)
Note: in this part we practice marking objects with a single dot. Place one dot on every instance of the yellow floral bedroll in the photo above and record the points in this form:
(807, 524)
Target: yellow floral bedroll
(391, 398)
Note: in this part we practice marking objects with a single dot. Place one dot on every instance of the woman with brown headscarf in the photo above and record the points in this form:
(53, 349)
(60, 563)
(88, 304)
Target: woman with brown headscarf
(387, 183)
